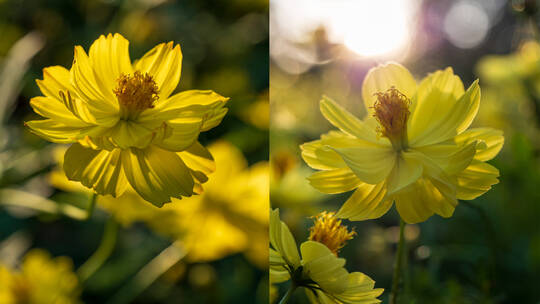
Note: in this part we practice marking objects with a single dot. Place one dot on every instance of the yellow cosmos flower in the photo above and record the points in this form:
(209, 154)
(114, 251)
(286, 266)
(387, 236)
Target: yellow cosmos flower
(414, 147)
(124, 125)
(40, 280)
(230, 216)
(318, 270)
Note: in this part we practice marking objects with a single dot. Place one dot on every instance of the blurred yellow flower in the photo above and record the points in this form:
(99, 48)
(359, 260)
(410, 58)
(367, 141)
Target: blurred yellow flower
(230, 216)
(413, 148)
(123, 125)
(513, 67)
(511, 84)
(319, 270)
(40, 280)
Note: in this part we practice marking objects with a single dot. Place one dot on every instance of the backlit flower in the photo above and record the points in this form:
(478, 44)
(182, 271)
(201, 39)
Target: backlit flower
(40, 280)
(414, 147)
(123, 124)
(318, 270)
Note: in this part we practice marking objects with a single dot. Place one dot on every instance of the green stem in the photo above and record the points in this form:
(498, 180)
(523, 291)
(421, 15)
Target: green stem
(91, 205)
(169, 257)
(398, 264)
(288, 294)
(106, 247)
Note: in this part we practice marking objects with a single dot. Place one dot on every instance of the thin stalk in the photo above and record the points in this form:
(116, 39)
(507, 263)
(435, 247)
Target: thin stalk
(91, 205)
(398, 264)
(106, 247)
(169, 257)
(288, 294)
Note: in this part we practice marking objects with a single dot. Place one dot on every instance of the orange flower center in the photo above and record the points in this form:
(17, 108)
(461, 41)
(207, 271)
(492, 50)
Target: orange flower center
(392, 113)
(328, 230)
(135, 93)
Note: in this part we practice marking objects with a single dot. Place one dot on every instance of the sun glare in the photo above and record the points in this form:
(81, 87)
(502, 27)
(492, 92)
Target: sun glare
(368, 28)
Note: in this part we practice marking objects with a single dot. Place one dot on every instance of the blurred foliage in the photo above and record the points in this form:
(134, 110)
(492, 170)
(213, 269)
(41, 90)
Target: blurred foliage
(225, 48)
(489, 250)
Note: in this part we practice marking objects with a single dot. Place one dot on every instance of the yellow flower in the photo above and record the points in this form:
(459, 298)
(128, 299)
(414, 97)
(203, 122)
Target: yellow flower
(124, 125)
(230, 216)
(40, 280)
(413, 148)
(518, 66)
(319, 270)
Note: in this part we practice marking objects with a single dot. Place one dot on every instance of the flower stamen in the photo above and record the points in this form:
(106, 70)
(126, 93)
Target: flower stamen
(135, 93)
(328, 230)
(392, 113)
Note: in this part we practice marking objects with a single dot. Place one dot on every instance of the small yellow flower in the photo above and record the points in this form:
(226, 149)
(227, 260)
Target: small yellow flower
(230, 216)
(40, 280)
(413, 148)
(319, 271)
(123, 124)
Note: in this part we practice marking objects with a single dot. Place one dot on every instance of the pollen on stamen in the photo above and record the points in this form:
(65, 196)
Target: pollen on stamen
(136, 92)
(328, 230)
(392, 112)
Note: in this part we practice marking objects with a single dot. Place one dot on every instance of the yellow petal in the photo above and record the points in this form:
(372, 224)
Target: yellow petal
(346, 122)
(56, 85)
(127, 133)
(278, 272)
(383, 77)
(419, 201)
(318, 156)
(367, 202)
(109, 57)
(197, 158)
(100, 170)
(164, 64)
(476, 180)
(406, 171)
(182, 136)
(51, 108)
(88, 86)
(187, 106)
(438, 114)
(359, 290)
(371, 164)
(156, 174)
(57, 132)
(323, 267)
(283, 241)
(411, 205)
(493, 139)
(55, 79)
(334, 181)
(451, 158)
(441, 84)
